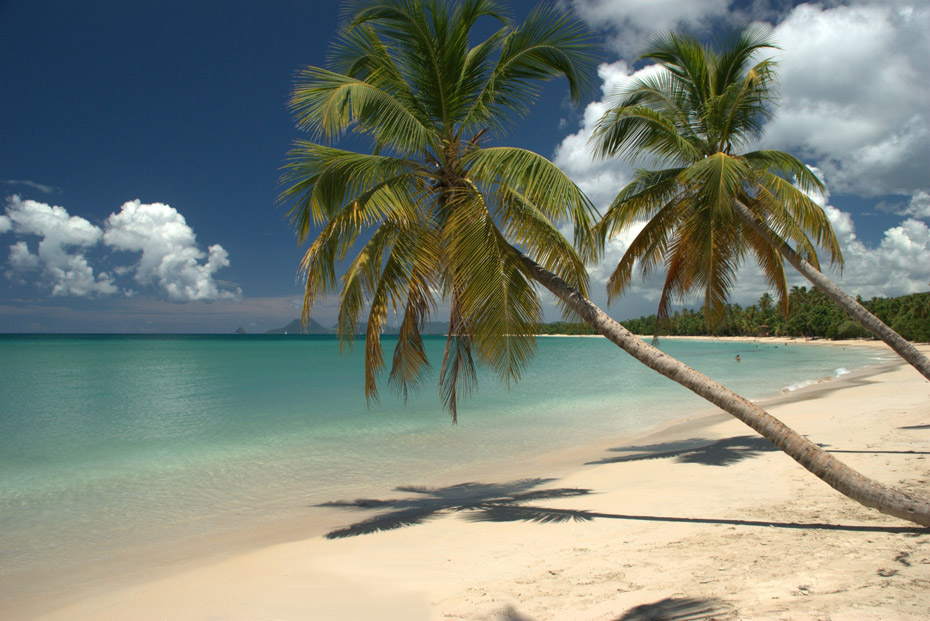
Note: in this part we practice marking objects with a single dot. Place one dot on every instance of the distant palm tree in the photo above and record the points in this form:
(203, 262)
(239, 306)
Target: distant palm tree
(716, 203)
(433, 213)
(765, 302)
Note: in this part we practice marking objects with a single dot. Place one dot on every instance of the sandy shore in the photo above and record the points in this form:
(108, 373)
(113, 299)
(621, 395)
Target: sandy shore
(721, 526)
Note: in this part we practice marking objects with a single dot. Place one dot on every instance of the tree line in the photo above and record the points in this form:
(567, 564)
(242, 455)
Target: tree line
(811, 315)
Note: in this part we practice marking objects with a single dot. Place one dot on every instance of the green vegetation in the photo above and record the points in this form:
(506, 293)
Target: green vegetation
(812, 315)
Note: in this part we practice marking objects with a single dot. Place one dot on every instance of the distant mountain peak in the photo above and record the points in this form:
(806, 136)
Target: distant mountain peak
(314, 327)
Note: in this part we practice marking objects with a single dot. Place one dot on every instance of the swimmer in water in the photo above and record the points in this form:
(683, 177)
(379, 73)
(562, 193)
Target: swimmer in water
(737, 357)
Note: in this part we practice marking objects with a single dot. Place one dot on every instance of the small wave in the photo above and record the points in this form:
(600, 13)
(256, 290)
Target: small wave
(798, 385)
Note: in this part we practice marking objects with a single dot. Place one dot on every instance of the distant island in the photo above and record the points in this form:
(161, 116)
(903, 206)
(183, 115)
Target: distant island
(314, 327)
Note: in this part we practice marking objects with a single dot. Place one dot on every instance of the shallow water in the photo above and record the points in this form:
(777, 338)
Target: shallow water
(107, 442)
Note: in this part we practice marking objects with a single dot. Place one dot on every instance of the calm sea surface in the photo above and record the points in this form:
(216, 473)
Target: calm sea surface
(110, 440)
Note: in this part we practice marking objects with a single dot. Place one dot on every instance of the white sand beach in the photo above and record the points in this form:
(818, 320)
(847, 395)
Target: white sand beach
(721, 527)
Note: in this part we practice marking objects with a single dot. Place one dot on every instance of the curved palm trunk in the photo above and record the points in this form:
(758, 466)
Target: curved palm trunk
(839, 476)
(855, 310)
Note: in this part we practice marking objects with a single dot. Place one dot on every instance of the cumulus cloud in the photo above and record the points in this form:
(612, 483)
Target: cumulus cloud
(59, 256)
(600, 180)
(170, 259)
(919, 206)
(170, 256)
(855, 87)
(631, 22)
(22, 260)
(898, 265)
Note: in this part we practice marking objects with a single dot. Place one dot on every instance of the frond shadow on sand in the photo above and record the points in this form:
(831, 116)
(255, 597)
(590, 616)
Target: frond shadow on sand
(507, 502)
(723, 452)
(427, 503)
(680, 609)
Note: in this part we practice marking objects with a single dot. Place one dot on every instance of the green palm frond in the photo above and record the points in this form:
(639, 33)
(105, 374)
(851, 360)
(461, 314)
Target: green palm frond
(640, 199)
(648, 248)
(493, 291)
(799, 218)
(771, 264)
(640, 132)
(529, 228)
(326, 104)
(716, 181)
(457, 376)
(540, 183)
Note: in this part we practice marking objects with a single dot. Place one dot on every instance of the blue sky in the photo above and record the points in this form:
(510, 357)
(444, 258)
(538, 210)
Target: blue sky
(142, 143)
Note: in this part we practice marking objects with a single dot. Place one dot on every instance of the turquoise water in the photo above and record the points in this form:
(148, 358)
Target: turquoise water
(109, 440)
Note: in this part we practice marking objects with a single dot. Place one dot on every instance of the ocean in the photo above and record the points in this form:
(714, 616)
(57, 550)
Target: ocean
(109, 443)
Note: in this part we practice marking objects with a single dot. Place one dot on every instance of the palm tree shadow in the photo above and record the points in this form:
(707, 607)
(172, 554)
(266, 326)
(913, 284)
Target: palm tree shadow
(680, 609)
(724, 452)
(505, 502)
(429, 503)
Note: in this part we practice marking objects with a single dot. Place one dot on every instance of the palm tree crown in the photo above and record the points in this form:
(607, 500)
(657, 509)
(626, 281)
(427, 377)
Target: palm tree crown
(697, 115)
(432, 214)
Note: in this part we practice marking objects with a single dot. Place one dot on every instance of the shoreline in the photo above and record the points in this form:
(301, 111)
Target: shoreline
(412, 592)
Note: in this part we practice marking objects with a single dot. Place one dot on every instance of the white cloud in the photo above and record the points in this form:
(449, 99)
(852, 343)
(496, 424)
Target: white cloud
(919, 205)
(600, 180)
(32, 185)
(631, 22)
(22, 260)
(67, 272)
(899, 265)
(170, 257)
(855, 86)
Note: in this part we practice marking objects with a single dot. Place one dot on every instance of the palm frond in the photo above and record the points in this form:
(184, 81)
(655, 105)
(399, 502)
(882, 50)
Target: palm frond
(493, 290)
(326, 104)
(640, 200)
(323, 179)
(457, 376)
(716, 180)
(648, 248)
(542, 184)
(642, 133)
(771, 264)
(410, 362)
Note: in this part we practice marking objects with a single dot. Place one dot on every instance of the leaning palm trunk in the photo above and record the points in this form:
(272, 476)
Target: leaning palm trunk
(839, 476)
(855, 310)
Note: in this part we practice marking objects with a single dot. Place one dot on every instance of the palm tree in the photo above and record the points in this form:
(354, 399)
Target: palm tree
(765, 302)
(434, 213)
(715, 204)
